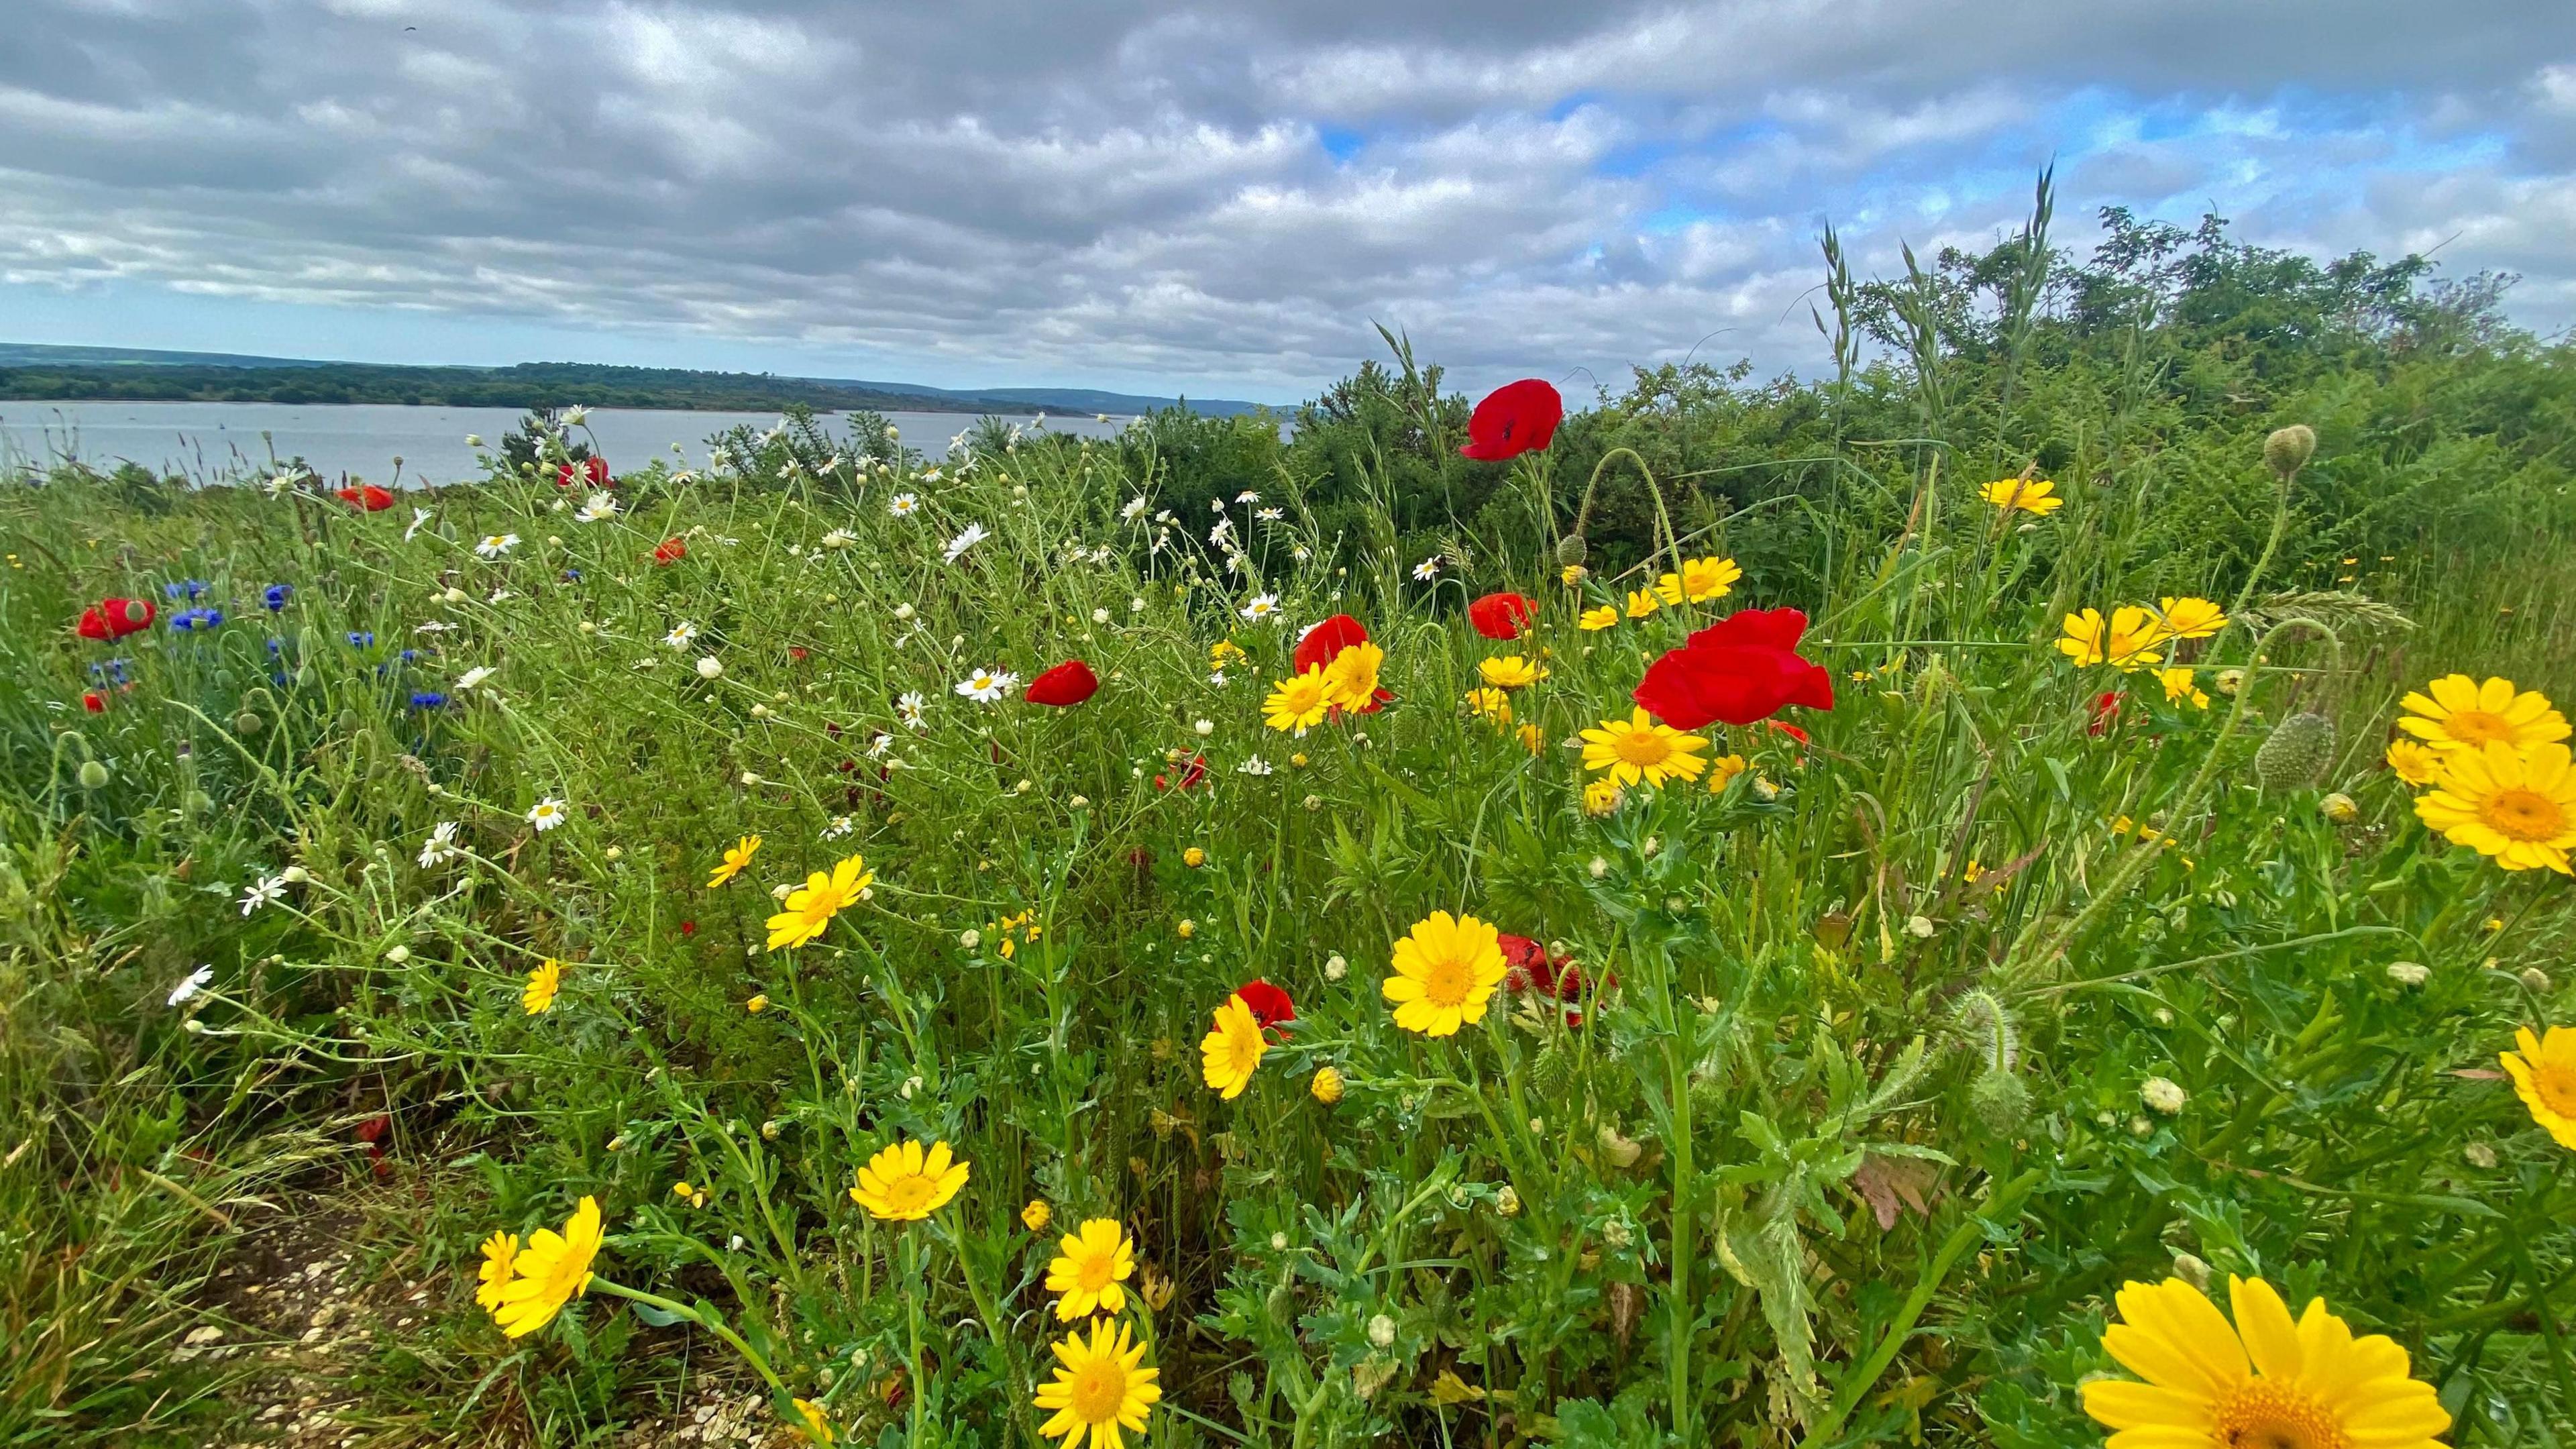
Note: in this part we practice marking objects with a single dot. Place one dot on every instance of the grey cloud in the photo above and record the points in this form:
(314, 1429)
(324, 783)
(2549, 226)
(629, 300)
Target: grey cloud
(1121, 190)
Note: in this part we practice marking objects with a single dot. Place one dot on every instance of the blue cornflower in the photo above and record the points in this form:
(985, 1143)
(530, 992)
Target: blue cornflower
(185, 589)
(276, 648)
(362, 637)
(275, 596)
(428, 699)
(189, 621)
(410, 656)
(111, 670)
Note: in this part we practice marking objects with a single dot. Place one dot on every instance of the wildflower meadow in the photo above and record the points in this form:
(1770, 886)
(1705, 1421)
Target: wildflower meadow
(2017, 894)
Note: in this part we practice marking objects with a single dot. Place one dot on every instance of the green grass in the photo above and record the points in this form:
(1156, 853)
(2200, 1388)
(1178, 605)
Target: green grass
(1664, 1225)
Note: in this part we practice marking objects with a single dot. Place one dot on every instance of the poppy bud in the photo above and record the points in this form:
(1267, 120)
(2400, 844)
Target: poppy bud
(2296, 752)
(2000, 1100)
(92, 774)
(2288, 449)
(1570, 550)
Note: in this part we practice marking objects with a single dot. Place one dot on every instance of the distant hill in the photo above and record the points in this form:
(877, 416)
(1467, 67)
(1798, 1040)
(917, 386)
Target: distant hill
(41, 372)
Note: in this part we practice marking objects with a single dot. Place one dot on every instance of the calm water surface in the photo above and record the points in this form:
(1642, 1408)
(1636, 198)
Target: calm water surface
(215, 440)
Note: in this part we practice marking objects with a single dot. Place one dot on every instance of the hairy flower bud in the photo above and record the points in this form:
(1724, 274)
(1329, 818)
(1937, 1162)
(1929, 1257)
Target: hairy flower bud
(2288, 449)
(2000, 1100)
(2296, 752)
(1570, 550)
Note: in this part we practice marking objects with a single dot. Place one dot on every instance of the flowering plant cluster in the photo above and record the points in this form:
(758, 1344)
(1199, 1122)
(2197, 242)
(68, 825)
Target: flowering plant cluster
(1000, 972)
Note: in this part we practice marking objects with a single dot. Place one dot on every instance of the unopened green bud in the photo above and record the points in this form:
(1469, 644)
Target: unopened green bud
(92, 774)
(2296, 752)
(2000, 1099)
(2288, 449)
(1570, 550)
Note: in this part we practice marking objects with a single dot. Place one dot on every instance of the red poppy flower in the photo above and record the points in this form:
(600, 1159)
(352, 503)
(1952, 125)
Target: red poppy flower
(796, 652)
(670, 551)
(1324, 643)
(1269, 1004)
(592, 471)
(1069, 683)
(115, 618)
(94, 702)
(1743, 668)
(1501, 616)
(688, 928)
(1194, 773)
(369, 498)
(1516, 418)
(2106, 712)
(1526, 965)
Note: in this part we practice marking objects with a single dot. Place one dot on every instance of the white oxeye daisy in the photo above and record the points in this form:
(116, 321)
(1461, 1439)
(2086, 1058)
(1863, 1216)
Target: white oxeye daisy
(1100, 616)
(1271, 515)
(986, 686)
(710, 667)
(474, 676)
(546, 814)
(910, 706)
(1428, 569)
(575, 416)
(441, 845)
(839, 538)
(972, 535)
(419, 516)
(1134, 510)
(1263, 608)
(681, 634)
(902, 505)
(596, 507)
(1247, 496)
(1254, 766)
(189, 985)
(268, 890)
(495, 545)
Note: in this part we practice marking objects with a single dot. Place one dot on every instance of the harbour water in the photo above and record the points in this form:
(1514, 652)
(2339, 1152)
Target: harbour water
(211, 441)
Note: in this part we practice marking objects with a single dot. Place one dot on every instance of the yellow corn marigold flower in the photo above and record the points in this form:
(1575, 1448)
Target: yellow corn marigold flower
(758, 1003)
(1091, 1269)
(2180, 687)
(1446, 970)
(1510, 671)
(1194, 857)
(734, 860)
(2126, 642)
(1642, 602)
(1700, 580)
(1595, 619)
(543, 983)
(2190, 618)
(904, 1184)
(2030, 495)
(2456, 712)
(817, 1429)
(2414, 763)
(499, 1252)
(1299, 702)
(1601, 796)
(1492, 704)
(1327, 1086)
(2544, 1076)
(1350, 681)
(1224, 652)
(2516, 805)
(1037, 1215)
(811, 907)
(1573, 574)
(1158, 1289)
(1724, 769)
(1232, 1050)
(2266, 1380)
(1641, 747)
(550, 1271)
(1533, 738)
(1100, 1388)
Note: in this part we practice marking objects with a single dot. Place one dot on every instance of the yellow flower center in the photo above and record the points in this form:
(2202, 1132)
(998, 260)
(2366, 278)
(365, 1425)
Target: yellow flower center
(2264, 1414)
(1093, 1272)
(909, 1193)
(1447, 981)
(1099, 1387)
(2524, 814)
(2476, 726)
(1643, 748)
(2554, 1082)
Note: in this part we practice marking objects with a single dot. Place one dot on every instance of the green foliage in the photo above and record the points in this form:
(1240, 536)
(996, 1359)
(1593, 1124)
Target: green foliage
(1849, 1138)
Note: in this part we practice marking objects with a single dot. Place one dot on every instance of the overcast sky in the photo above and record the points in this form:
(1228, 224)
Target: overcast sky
(1213, 197)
